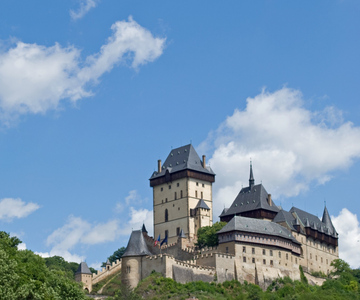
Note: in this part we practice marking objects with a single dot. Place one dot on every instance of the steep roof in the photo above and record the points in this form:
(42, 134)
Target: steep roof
(182, 234)
(182, 158)
(136, 245)
(250, 198)
(83, 269)
(287, 217)
(327, 222)
(244, 224)
(202, 204)
(143, 229)
(312, 221)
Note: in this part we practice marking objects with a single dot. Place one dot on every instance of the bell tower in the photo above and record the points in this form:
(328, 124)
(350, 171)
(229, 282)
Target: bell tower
(182, 194)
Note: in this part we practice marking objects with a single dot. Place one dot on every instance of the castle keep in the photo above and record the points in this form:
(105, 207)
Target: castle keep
(259, 243)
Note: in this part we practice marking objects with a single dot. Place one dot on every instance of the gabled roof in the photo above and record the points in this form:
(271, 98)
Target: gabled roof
(312, 221)
(136, 245)
(182, 158)
(287, 217)
(83, 269)
(244, 224)
(202, 204)
(251, 198)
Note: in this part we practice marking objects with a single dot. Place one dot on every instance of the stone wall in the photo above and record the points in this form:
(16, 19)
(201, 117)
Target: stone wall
(105, 272)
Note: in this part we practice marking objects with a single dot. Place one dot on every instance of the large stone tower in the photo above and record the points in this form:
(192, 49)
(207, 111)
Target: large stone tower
(182, 194)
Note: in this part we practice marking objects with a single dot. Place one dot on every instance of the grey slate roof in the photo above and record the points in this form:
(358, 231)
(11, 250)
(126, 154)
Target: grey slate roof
(136, 245)
(238, 223)
(108, 262)
(83, 269)
(202, 204)
(327, 222)
(287, 217)
(182, 158)
(143, 229)
(223, 213)
(312, 221)
(251, 198)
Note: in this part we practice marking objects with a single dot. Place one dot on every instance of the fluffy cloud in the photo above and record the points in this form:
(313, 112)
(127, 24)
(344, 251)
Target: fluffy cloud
(85, 6)
(289, 145)
(348, 227)
(138, 217)
(35, 78)
(11, 208)
(78, 231)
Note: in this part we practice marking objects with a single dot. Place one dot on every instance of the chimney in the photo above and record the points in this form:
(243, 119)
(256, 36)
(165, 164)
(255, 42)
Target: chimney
(159, 166)
(204, 161)
(269, 199)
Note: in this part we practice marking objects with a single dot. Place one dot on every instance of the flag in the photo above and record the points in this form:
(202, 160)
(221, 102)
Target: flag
(164, 241)
(157, 241)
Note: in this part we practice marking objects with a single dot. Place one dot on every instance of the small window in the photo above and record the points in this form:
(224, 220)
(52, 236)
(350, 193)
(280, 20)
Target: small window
(253, 250)
(244, 259)
(271, 263)
(181, 194)
(279, 254)
(166, 215)
(296, 260)
(177, 231)
(169, 187)
(287, 256)
(166, 233)
(227, 249)
(175, 195)
(326, 261)
(178, 208)
(197, 184)
(271, 253)
(264, 261)
(244, 249)
(165, 199)
(264, 252)
(253, 260)
(202, 196)
(196, 194)
(178, 184)
(203, 185)
(161, 189)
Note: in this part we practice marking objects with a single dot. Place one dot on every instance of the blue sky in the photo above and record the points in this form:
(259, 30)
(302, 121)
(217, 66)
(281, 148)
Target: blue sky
(93, 92)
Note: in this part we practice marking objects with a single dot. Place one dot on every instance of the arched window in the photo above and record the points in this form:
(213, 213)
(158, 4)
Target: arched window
(166, 215)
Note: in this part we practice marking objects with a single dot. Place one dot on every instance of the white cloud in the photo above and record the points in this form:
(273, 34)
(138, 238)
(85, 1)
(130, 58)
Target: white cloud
(85, 6)
(11, 208)
(289, 145)
(348, 227)
(21, 246)
(35, 78)
(78, 231)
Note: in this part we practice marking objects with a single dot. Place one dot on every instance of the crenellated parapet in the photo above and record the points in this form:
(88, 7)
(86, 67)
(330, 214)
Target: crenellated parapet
(107, 271)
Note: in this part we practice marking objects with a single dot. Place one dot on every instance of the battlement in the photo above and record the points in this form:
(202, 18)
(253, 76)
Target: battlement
(104, 272)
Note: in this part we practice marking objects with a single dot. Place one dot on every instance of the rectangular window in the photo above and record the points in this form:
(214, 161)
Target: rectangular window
(203, 185)
(271, 263)
(177, 231)
(227, 249)
(197, 184)
(271, 253)
(264, 261)
(162, 189)
(244, 259)
(178, 184)
(166, 233)
(253, 250)
(195, 194)
(169, 187)
(244, 249)
(279, 254)
(264, 252)
(253, 260)
(287, 256)
(181, 194)
(175, 195)
(202, 195)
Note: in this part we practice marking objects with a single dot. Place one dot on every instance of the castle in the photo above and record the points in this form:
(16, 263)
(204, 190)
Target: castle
(259, 243)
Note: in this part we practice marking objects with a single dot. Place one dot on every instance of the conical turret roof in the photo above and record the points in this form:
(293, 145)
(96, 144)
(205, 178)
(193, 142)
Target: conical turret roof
(136, 245)
(327, 221)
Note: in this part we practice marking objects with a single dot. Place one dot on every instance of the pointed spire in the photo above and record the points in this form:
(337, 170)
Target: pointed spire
(327, 221)
(307, 224)
(181, 234)
(108, 262)
(251, 178)
(143, 229)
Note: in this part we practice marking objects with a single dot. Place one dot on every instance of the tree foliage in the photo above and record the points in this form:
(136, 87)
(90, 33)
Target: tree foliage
(24, 275)
(115, 256)
(207, 237)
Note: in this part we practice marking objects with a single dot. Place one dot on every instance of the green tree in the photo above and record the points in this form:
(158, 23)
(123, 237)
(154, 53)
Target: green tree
(116, 255)
(207, 236)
